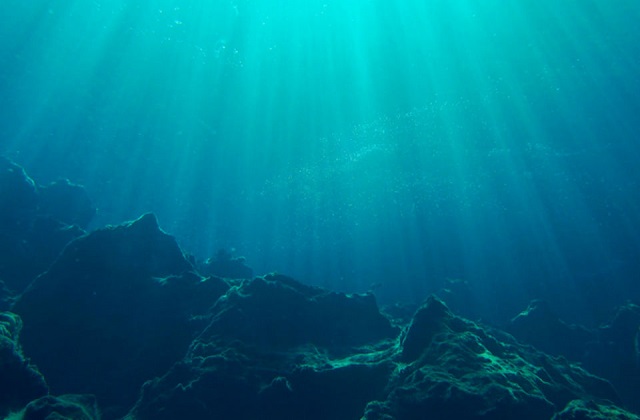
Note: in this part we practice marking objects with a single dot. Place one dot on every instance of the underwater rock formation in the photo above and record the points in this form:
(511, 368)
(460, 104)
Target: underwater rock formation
(122, 315)
(615, 355)
(611, 351)
(15, 213)
(541, 327)
(123, 320)
(224, 264)
(20, 381)
(592, 410)
(275, 348)
(36, 223)
(275, 312)
(6, 297)
(67, 203)
(113, 311)
(244, 366)
(453, 368)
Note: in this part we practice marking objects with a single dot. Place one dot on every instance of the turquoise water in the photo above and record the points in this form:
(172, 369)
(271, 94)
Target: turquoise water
(351, 144)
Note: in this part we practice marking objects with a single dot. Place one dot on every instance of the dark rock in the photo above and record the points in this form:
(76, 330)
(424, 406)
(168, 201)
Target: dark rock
(219, 386)
(71, 407)
(67, 203)
(18, 207)
(276, 348)
(276, 312)
(541, 327)
(330, 392)
(453, 368)
(20, 381)
(138, 248)
(610, 351)
(30, 254)
(6, 297)
(224, 264)
(121, 314)
(430, 319)
(114, 311)
(19, 202)
(592, 410)
(228, 384)
(615, 355)
(245, 365)
(30, 239)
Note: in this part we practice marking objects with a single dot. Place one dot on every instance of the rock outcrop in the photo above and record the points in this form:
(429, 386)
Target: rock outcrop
(36, 223)
(453, 368)
(20, 381)
(113, 311)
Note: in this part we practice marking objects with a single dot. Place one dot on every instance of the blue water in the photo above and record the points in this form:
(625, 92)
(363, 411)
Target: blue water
(353, 145)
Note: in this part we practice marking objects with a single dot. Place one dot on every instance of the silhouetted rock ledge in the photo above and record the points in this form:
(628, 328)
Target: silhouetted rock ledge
(615, 355)
(224, 264)
(35, 224)
(123, 325)
(20, 382)
(541, 327)
(66, 202)
(275, 348)
(113, 311)
(611, 351)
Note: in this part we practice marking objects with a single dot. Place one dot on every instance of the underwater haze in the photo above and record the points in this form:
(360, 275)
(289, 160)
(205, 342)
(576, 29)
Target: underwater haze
(392, 146)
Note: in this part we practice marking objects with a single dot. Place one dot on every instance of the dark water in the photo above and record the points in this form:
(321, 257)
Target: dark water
(352, 145)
